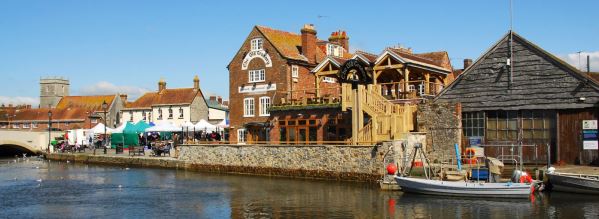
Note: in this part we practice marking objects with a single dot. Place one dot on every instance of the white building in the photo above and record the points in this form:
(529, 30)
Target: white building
(177, 105)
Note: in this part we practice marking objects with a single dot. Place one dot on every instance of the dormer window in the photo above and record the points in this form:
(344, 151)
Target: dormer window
(334, 50)
(256, 44)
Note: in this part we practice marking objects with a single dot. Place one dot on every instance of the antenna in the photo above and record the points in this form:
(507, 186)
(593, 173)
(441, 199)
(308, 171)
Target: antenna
(511, 59)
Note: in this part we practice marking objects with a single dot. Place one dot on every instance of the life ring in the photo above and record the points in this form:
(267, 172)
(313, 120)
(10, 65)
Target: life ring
(470, 156)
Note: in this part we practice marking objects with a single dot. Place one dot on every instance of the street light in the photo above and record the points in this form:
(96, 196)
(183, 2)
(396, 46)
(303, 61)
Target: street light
(49, 130)
(104, 108)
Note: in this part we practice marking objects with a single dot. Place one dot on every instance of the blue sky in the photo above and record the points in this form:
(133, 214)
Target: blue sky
(107, 46)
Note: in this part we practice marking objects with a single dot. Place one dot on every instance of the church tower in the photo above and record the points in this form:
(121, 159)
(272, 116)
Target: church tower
(52, 89)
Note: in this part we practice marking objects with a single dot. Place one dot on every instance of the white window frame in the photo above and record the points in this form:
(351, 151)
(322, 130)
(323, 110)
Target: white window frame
(257, 44)
(257, 75)
(16, 125)
(159, 114)
(26, 125)
(94, 121)
(241, 136)
(330, 49)
(170, 113)
(131, 116)
(181, 113)
(248, 107)
(34, 125)
(329, 80)
(144, 115)
(3, 126)
(294, 71)
(265, 103)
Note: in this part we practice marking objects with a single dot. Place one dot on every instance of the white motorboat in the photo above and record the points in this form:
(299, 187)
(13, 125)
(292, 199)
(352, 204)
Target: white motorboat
(464, 188)
(577, 183)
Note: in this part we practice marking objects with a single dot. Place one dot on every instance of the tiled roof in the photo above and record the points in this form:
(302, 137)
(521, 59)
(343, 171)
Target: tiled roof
(288, 44)
(86, 102)
(420, 59)
(371, 57)
(41, 114)
(440, 57)
(215, 105)
(167, 96)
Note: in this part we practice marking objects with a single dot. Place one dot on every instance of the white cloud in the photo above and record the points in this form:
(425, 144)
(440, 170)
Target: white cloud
(572, 59)
(33, 101)
(103, 88)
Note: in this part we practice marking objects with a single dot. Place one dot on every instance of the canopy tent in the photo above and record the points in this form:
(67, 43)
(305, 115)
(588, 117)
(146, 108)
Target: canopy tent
(223, 124)
(121, 127)
(203, 125)
(121, 135)
(187, 124)
(139, 127)
(164, 127)
(99, 129)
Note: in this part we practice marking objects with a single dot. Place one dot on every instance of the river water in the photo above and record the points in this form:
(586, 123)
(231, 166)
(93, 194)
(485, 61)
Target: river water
(35, 188)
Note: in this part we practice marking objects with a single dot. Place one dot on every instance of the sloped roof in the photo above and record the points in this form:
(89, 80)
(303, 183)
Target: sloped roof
(215, 105)
(86, 102)
(177, 96)
(427, 60)
(440, 58)
(540, 81)
(288, 44)
(41, 114)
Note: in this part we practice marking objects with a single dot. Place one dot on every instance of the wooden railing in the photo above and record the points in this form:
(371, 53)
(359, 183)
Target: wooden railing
(416, 89)
(388, 120)
(328, 95)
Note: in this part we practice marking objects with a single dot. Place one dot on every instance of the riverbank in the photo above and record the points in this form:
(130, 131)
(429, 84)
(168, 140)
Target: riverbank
(343, 163)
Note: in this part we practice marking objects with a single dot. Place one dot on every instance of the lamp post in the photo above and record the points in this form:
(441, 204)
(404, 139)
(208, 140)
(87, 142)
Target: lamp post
(49, 130)
(104, 108)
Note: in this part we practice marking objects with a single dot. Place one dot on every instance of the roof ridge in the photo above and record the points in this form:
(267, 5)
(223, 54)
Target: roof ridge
(282, 31)
(364, 52)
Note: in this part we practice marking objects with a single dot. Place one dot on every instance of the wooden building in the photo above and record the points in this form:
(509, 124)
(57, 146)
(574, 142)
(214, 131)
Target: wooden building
(518, 93)
(380, 106)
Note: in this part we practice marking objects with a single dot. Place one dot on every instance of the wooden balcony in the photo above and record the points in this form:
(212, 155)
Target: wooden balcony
(416, 90)
(329, 97)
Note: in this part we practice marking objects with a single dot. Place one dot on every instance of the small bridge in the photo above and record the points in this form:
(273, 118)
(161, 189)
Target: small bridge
(18, 142)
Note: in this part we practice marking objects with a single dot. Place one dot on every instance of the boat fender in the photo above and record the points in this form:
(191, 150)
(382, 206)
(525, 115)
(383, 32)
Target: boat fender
(391, 169)
(525, 178)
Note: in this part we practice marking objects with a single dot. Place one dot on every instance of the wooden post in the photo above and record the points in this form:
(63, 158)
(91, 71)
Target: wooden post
(354, 118)
(406, 78)
(427, 77)
(317, 86)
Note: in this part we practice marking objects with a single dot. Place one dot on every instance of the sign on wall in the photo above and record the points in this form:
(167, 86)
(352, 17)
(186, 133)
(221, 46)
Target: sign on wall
(261, 88)
(589, 135)
(261, 54)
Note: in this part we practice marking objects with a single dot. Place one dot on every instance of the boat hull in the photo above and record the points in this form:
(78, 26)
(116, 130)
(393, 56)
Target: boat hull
(464, 189)
(573, 183)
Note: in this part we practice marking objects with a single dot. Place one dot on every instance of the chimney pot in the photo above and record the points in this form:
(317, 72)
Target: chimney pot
(220, 100)
(309, 42)
(467, 63)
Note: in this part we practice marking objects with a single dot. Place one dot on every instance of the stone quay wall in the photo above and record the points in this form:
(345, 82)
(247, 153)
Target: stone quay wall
(443, 127)
(337, 162)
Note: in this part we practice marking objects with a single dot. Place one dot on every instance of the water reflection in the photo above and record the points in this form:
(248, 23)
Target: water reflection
(79, 190)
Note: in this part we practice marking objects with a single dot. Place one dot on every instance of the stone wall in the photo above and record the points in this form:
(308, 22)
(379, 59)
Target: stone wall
(442, 124)
(341, 162)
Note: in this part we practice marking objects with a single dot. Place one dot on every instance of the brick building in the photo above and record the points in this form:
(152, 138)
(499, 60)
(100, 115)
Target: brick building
(271, 65)
(71, 112)
(176, 105)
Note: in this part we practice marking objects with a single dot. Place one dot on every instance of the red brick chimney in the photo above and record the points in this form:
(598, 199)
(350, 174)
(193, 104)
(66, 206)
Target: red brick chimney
(467, 63)
(161, 85)
(309, 42)
(212, 99)
(220, 100)
(341, 38)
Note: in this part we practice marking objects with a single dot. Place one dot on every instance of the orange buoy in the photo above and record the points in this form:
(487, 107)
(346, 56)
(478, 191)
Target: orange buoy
(391, 169)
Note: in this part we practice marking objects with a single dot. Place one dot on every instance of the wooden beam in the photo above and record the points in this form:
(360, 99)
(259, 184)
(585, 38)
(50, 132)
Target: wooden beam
(332, 72)
(317, 86)
(384, 67)
(406, 78)
(427, 77)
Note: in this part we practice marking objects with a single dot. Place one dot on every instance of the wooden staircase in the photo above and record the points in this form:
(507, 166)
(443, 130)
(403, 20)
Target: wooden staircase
(388, 121)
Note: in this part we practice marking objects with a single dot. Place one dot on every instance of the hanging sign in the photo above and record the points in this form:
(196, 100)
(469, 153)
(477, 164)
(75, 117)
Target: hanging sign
(590, 140)
(261, 54)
